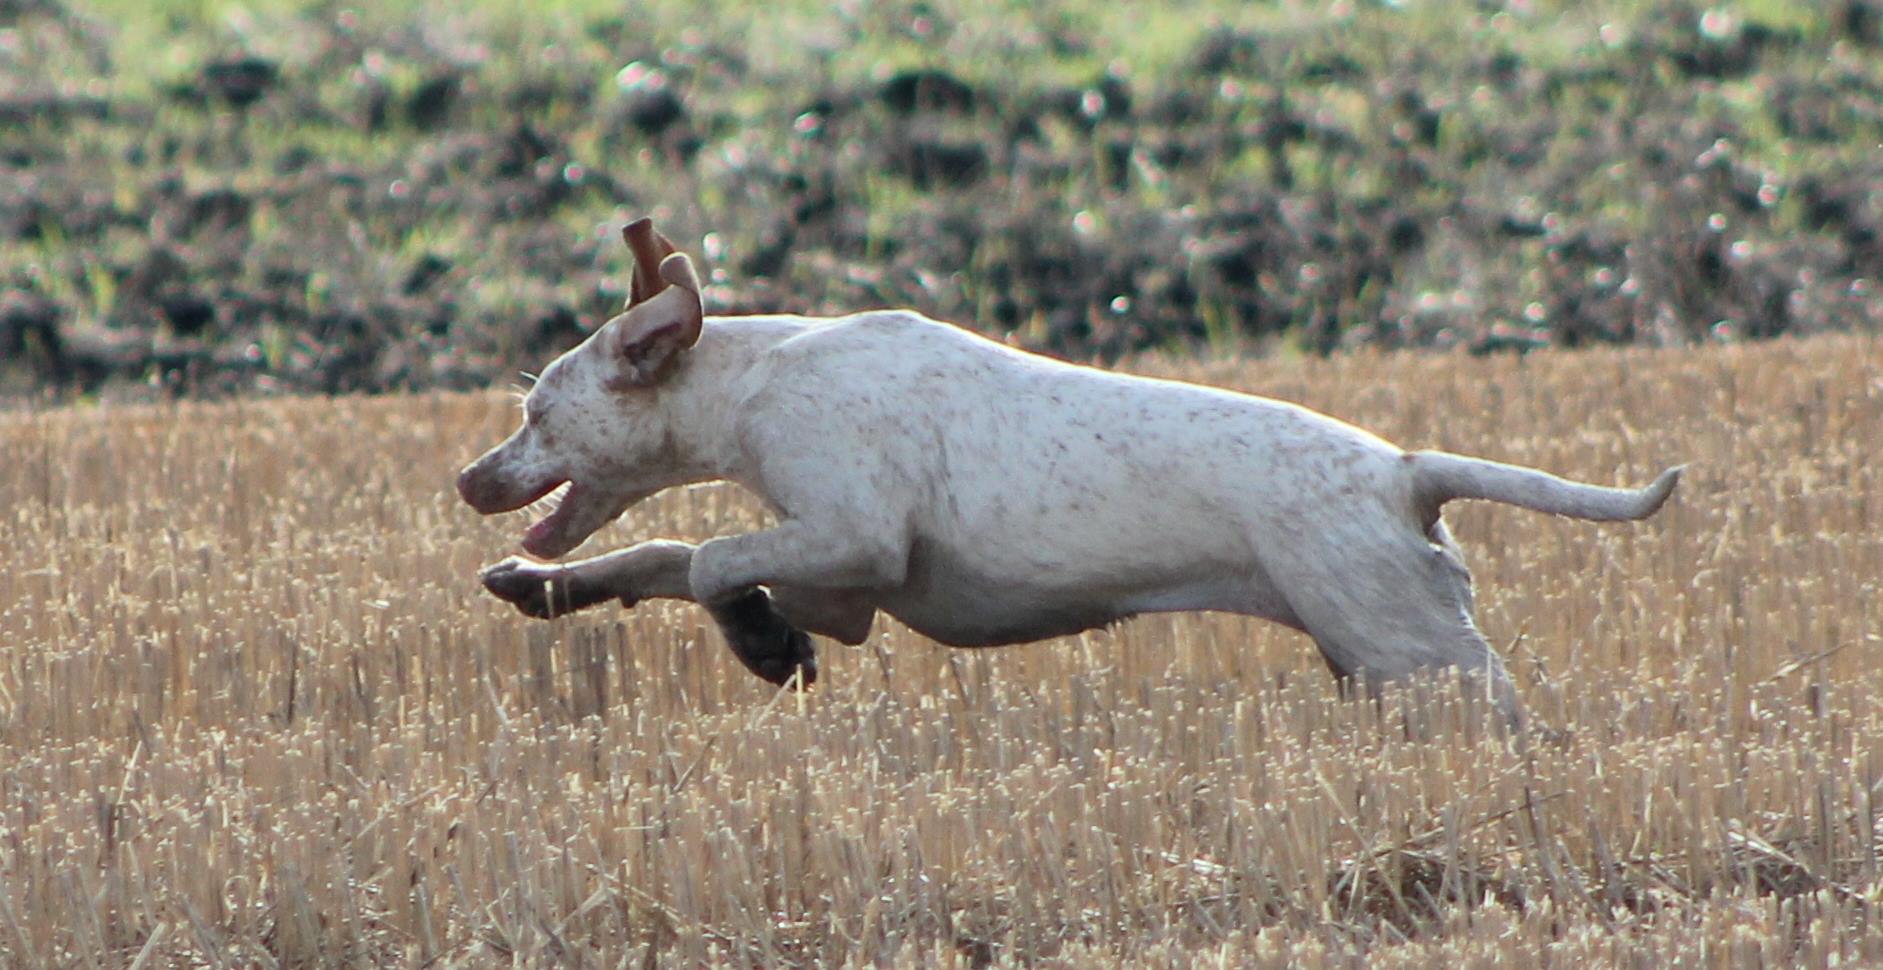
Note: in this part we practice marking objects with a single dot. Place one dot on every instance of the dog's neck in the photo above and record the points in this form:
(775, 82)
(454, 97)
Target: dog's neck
(703, 394)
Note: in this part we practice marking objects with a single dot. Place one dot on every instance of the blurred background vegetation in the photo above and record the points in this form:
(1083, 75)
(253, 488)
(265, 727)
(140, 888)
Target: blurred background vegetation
(199, 196)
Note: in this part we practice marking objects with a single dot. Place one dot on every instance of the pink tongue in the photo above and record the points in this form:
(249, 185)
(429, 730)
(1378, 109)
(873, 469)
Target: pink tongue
(547, 538)
(538, 534)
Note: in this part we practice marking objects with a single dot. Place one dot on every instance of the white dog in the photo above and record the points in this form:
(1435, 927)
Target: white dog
(983, 495)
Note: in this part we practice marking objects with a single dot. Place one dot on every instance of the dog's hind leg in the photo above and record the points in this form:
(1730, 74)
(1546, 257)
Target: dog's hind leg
(1386, 607)
(1441, 537)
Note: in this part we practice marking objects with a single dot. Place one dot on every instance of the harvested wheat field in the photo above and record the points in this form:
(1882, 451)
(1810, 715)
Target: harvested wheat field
(256, 711)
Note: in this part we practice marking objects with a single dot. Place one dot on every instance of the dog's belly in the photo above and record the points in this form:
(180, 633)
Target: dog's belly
(990, 618)
(951, 600)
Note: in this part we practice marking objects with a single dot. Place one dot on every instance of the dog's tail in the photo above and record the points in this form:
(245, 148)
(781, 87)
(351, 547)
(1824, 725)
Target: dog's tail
(1438, 477)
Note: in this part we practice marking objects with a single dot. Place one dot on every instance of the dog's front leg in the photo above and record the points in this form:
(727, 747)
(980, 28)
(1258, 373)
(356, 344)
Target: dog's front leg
(649, 570)
(764, 641)
(728, 574)
(795, 553)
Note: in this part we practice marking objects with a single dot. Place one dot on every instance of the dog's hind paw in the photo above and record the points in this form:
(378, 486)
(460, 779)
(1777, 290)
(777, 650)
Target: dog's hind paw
(764, 642)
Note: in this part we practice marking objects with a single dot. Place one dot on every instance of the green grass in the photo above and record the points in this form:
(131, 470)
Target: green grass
(1258, 138)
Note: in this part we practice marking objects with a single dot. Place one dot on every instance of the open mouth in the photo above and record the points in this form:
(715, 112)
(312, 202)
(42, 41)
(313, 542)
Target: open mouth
(548, 537)
(570, 513)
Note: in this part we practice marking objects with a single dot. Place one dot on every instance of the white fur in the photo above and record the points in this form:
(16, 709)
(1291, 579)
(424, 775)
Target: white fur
(983, 495)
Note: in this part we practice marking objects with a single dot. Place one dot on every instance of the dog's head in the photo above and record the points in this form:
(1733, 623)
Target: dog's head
(593, 420)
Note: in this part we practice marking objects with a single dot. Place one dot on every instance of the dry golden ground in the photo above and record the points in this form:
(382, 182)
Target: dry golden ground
(255, 711)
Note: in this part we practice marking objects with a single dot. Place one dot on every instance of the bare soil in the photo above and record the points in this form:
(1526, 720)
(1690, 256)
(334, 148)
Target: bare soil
(325, 201)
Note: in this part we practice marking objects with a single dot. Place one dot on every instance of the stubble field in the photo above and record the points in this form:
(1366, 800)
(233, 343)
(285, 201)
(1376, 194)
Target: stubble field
(255, 711)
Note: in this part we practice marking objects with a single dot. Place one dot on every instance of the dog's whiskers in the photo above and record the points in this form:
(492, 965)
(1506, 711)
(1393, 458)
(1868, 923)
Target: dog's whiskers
(522, 390)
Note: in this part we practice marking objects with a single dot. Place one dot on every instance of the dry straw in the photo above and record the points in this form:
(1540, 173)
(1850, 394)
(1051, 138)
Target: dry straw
(255, 711)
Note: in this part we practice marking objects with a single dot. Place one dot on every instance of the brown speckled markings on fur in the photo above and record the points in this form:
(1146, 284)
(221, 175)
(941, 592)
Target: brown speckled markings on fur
(986, 496)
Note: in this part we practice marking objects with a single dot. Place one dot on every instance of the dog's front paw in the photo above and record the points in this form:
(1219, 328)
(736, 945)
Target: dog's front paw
(764, 642)
(533, 588)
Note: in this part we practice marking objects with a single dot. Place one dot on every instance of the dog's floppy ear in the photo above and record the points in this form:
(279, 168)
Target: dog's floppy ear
(649, 248)
(651, 335)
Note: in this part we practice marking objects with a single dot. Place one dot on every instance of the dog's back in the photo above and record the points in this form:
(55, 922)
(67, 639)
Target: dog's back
(984, 495)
